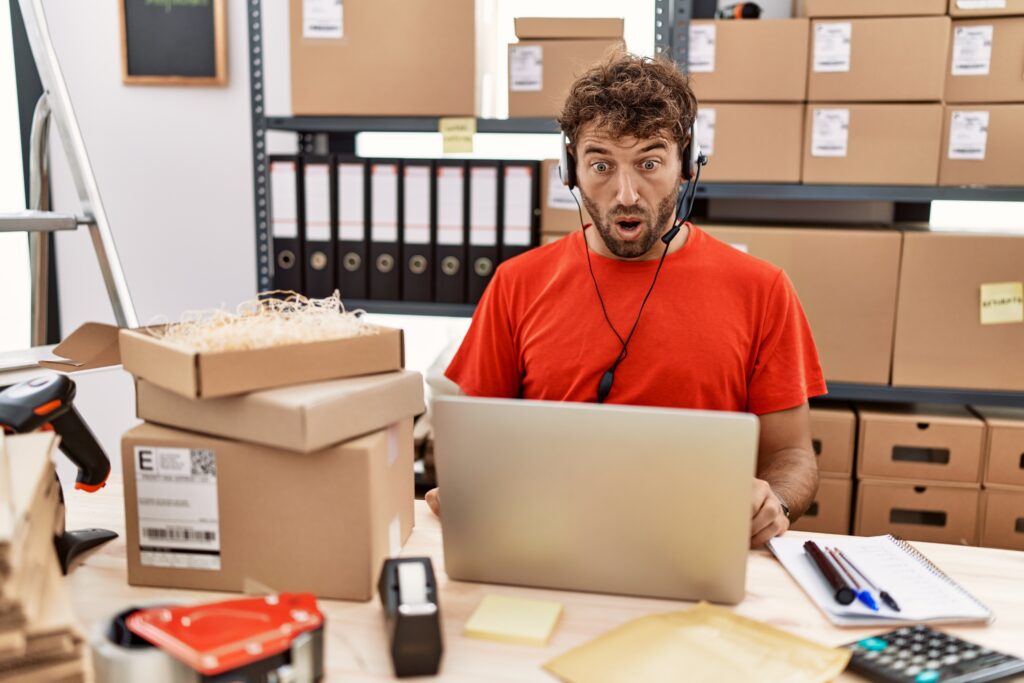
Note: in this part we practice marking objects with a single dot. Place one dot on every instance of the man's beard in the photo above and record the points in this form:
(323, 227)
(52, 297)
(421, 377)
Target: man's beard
(653, 228)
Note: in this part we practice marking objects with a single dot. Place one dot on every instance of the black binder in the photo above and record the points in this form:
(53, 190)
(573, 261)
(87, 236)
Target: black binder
(416, 201)
(384, 265)
(520, 207)
(284, 223)
(484, 198)
(316, 219)
(451, 207)
(351, 207)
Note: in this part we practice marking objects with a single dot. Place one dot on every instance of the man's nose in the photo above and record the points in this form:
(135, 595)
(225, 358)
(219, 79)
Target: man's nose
(626, 195)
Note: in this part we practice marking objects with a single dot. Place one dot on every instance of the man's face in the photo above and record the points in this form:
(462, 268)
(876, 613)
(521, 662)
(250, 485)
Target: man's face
(629, 187)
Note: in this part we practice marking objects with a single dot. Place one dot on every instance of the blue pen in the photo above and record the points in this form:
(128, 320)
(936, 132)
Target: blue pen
(862, 593)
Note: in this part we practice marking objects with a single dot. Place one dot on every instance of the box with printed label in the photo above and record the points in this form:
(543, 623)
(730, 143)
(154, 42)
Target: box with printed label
(213, 514)
(873, 8)
(983, 144)
(846, 280)
(920, 443)
(423, 60)
(872, 144)
(833, 437)
(749, 61)
(559, 212)
(301, 417)
(203, 374)
(750, 142)
(1004, 446)
(985, 8)
(830, 511)
(1002, 518)
(932, 513)
(550, 55)
(878, 60)
(960, 312)
(986, 62)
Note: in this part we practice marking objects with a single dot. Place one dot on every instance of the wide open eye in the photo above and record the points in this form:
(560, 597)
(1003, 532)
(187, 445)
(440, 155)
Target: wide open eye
(650, 164)
(601, 166)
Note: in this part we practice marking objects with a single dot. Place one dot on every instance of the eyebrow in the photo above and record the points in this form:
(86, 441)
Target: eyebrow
(653, 146)
(594, 149)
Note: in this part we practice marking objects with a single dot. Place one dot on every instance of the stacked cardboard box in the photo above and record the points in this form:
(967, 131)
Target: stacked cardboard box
(281, 469)
(833, 436)
(1001, 523)
(919, 472)
(875, 87)
(38, 636)
(750, 78)
(560, 212)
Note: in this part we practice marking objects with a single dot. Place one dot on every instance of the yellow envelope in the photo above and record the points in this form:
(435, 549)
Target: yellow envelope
(704, 644)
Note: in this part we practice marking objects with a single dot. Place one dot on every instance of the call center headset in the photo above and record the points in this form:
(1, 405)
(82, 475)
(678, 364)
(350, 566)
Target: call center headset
(693, 159)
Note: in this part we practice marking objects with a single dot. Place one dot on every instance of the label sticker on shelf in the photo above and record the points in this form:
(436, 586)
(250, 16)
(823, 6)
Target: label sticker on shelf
(981, 4)
(322, 19)
(705, 130)
(457, 134)
(526, 68)
(831, 132)
(559, 196)
(968, 135)
(832, 43)
(1002, 302)
(179, 523)
(701, 56)
(972, 50)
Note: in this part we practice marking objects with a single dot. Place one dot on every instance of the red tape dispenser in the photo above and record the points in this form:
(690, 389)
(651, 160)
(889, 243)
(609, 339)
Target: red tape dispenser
(250, 640)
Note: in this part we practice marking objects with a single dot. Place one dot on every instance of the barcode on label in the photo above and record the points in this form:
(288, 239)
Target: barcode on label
(179, 534)
(203, 462)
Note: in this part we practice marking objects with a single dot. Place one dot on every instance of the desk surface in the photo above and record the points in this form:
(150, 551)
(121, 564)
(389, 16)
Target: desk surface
(357, 649)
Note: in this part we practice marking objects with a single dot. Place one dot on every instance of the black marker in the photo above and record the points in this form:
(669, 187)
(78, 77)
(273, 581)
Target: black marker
(843, 593)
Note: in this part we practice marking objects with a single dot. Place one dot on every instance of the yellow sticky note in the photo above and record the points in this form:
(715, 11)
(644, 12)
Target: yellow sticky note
(1002, 302)
(513, 620)
(457, 133)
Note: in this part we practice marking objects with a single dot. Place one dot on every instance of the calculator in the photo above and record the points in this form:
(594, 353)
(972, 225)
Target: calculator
(919, 654)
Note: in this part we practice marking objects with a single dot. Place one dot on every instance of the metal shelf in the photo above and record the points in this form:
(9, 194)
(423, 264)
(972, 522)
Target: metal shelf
(411, 308)
(878, 193)
(838, 391)
(401, 124)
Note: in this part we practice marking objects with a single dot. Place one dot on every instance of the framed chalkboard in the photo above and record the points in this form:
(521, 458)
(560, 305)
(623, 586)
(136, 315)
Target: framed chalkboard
(174, 42)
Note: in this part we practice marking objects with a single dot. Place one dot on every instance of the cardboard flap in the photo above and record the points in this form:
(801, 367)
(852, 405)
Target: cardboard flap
(93, 345)
(538, 28)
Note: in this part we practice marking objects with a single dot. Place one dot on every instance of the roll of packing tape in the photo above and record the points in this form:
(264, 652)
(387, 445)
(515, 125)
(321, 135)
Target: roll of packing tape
(119, 656)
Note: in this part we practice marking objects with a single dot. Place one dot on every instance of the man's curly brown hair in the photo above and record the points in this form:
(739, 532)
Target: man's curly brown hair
(631, 96)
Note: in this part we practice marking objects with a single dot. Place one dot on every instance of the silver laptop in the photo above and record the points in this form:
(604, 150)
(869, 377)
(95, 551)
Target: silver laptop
(609, 499)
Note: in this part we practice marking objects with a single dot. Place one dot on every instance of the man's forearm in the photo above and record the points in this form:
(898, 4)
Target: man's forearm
(793, 475)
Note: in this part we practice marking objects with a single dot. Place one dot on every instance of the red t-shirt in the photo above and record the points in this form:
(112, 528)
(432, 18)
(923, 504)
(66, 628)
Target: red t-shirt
(722, 330)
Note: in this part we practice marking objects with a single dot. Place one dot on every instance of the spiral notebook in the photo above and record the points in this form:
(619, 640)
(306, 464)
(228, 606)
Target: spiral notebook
(923, 592)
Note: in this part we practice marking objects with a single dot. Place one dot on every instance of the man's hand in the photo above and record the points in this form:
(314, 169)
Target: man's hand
(767, 518)
(433, 499)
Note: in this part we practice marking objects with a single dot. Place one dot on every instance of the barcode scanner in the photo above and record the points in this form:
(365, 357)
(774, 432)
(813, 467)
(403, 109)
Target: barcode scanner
(48, 403)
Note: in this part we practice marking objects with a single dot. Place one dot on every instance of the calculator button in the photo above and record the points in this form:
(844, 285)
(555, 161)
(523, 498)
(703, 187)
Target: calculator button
(903, 631)
(916, 647)
(919, 659)
(871, 654)
(884, 660)
(913, 670)
(970, 654)
(932, 664)
(929, 676)
(934, 643)
(934, 654)
(899, 642)
(903, 654)
(898, 665)
(949, 660)
(873, 644)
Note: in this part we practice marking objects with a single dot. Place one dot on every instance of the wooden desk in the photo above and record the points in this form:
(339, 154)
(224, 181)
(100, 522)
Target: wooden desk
(357, 649)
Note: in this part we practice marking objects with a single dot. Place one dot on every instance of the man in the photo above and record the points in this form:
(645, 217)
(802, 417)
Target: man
(715, 329)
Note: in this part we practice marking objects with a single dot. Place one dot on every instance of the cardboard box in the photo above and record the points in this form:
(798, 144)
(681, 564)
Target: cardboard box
(750, 142)
(550, 55)
(212, 374)
(320, 522)
(934, 513)
(1004, 446)
(833, 436)
(986, 62)
(1002, 519)
(830, 511)
(873, 8)
(920, 443)
(301, 417)
(878, 60)
(749, 61)
(872, 144)
(985, 8)
(559, 213)
(846, 280)
(385, 58)
(987, 144)
(954, 291)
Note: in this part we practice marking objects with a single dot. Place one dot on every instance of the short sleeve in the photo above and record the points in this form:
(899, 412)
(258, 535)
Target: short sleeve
(487, 363)
(787, 371)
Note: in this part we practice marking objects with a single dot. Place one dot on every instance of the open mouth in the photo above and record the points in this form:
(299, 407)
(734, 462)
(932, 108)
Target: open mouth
(628, 226)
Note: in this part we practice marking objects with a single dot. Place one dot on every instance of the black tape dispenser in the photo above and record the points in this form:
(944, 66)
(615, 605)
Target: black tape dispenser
(408, 593)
